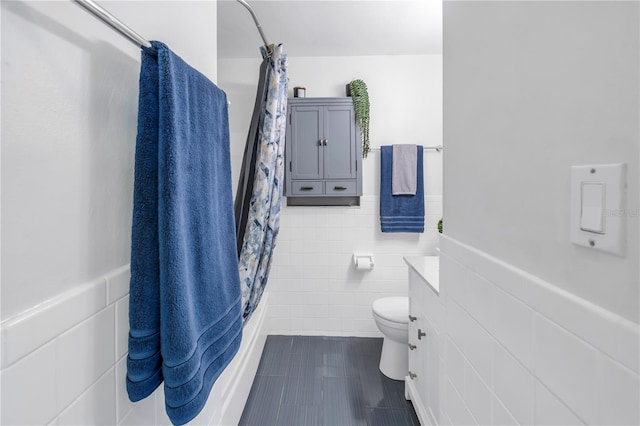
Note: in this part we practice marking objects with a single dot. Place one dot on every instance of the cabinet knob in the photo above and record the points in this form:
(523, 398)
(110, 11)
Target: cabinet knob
(339, 188)
(421, 334)
(326, 142)
(412, 375)
(321, 142)
(412, 347)
(306, 188)
(412, 318)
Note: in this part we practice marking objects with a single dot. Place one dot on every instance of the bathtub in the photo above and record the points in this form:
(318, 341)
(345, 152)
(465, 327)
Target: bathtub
(229, 394)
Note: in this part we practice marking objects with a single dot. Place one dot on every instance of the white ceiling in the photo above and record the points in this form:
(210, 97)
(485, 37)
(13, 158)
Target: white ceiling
(332, 27)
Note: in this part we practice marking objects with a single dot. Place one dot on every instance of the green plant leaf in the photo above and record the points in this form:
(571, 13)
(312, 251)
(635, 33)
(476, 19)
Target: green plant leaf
(360, 97)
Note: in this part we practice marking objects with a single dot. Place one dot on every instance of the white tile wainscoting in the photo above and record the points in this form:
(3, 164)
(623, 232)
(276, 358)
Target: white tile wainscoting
(64, 362)
(67, 356)
(519, 350)
(515, 349)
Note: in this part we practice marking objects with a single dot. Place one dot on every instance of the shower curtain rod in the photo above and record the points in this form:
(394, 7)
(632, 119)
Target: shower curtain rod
(100, 13)
(255, 19)
(107, 18)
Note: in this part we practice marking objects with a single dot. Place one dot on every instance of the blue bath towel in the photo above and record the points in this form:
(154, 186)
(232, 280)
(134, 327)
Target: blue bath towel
(184, 310)
(400, 213)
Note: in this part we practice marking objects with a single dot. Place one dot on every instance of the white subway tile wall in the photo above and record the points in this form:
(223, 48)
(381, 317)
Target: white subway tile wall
(31, 382)
(78, 376)
(67, 357)
(568, 367)
(477, 395)
(313, 285)
(27, 331)
(513, 326)
(618, 393)
(456, 410)
(123, 405)
(513, 384)
(549, 410)
(510, 348)
(454, 364)
(535, 354)
(95, 405)
(84, 354)
(501, 416)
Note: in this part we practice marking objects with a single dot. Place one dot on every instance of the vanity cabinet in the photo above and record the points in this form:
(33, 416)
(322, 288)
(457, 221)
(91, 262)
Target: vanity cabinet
(422, 384)
(323, 156)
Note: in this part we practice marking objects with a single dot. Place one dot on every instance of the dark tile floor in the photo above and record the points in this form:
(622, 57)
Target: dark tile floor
(330, 381)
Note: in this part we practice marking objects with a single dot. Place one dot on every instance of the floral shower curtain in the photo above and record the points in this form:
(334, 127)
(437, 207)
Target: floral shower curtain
(259, 195)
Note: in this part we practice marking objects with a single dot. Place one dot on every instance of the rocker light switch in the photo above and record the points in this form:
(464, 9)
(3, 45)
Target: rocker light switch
(598, 219)
(592, 197)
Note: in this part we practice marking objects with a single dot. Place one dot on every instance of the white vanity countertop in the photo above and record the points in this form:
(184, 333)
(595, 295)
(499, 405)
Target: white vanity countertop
(428, 267)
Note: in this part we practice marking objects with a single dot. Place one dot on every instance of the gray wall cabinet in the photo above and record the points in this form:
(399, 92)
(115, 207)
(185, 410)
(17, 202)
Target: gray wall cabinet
(323, 155)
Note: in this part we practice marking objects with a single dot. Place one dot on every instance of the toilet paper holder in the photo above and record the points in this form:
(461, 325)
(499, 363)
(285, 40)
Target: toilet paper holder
(363, 261)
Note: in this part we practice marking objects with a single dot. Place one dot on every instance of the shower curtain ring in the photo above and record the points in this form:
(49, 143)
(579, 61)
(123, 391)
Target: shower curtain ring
(270, 49)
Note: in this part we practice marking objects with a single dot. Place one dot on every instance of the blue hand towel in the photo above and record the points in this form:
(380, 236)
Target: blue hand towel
(400, 213)
(184, 310)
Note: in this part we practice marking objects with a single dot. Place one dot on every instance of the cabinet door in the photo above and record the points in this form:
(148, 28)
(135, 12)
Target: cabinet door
(421, 359)
(414, 353)
(306, 149)
(340, 135)
(432, 370)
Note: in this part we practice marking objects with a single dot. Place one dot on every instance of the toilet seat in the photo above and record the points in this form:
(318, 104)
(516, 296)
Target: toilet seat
(392, 309)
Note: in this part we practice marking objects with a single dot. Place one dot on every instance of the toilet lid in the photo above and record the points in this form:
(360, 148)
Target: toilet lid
(394, 309)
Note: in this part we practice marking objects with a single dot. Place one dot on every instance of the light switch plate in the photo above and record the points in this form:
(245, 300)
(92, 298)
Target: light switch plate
(599, 227)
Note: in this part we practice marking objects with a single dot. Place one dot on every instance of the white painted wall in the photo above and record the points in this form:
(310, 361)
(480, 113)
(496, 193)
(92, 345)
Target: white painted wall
(69, 117)
(537, 331)
(530, 90)
(69, 105)
(313, 286)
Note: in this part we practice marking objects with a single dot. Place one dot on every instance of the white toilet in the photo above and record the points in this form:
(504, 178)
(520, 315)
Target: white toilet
(392, 318)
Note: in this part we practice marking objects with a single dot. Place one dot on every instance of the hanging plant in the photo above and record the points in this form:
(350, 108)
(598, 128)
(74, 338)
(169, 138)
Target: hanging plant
(360, 97)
